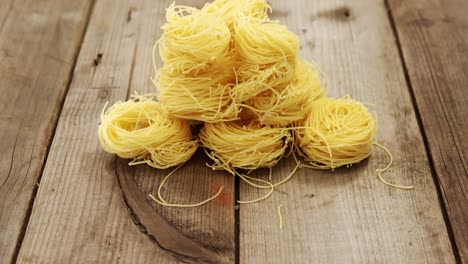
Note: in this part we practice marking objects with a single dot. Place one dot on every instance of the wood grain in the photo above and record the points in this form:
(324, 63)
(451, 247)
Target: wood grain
(79, 215)
(39, 41)
(434, 41)
(348, 216)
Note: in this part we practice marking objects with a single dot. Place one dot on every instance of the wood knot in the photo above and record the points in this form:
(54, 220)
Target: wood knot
(130, 14)
(98, 59)
(340, 14)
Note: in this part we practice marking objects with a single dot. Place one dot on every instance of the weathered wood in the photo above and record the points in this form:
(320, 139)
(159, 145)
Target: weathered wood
(79, 214)
(39, 41)
(349, 216)
(434, 42)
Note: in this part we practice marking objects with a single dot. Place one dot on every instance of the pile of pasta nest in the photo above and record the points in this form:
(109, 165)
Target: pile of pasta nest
(229, 67)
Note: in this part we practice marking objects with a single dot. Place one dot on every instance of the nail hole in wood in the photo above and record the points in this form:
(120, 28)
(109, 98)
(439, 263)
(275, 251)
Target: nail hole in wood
(98, 59)
(346, 12)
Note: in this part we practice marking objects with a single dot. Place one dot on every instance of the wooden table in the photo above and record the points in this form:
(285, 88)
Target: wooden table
(63, 199)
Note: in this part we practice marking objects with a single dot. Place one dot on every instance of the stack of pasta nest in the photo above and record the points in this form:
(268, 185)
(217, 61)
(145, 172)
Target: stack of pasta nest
(231, 68)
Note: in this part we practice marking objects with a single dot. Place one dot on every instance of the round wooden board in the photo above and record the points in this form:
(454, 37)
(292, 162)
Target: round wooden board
(203, 234)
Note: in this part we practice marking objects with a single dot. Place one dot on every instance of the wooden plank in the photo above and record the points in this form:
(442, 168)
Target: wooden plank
(39, 41)
(348, 216)
(434, 42)
(80, 214)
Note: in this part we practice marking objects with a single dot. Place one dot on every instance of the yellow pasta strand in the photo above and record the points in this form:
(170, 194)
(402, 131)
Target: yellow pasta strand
(245, 146)
(337, 132)
(280, 216)
(192, 40)
(262, 42)
(230, 10)
(246, 178)
(380, 171)
(140, 129)
(283, 106)
(235, 145)
(203, 97)
(268, 185)
(163, 202)
(255, 79)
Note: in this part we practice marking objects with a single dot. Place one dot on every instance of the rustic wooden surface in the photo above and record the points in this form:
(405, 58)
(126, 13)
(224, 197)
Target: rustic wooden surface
(39, 42)
(79, 214)
(206, 233)
(91, 207)
(352, 217)
(434, 42)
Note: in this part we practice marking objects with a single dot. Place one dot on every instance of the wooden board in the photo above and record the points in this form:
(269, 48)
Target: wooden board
(434, 43)
(348, 216)
(39, 41)
(203, 234)
(79, 214)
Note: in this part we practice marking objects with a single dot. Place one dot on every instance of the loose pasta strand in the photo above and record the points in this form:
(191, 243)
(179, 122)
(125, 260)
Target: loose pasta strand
(381, 171)
(338, 132)
(160, 200)
(280, 216)
(142, 130)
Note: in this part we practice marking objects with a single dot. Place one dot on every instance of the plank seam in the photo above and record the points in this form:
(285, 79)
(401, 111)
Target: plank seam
(434, 175)
(55, 120)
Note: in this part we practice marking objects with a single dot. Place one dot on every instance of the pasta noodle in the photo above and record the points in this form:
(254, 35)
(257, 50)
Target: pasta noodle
(142, 130)
(283, 106)
(236, 145)
(244, 146)
(337, 132)
(192, 40)
(255, 79)
(203, 97)
(264, 42)
(160, 200)
(280, 216)
(381, 171)
(230, 10)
